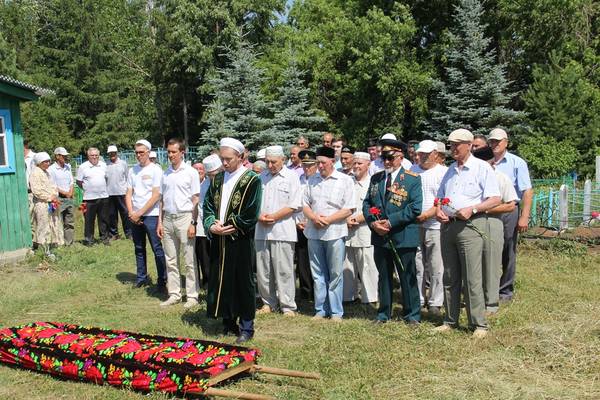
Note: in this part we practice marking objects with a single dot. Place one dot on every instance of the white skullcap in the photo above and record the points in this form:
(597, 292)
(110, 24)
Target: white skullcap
(112, 149)
(498, 134)
(144, 142)
(274, 151)
(232, 143)
(460, 135)
(389, 136)
(426, 146)
(212, 163)
(261, 154)
(361, 155)
(153, 154)
(41, 157)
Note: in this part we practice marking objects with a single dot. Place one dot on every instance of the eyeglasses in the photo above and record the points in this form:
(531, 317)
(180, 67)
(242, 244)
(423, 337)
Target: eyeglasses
(94, 155)
(141, 152)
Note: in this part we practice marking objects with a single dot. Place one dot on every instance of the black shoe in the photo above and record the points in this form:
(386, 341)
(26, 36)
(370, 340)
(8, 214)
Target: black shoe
(412, 322)
(435, 311)
(145, 282)
(243, 338)
(379, 322)
(231, 331)
(87, 244)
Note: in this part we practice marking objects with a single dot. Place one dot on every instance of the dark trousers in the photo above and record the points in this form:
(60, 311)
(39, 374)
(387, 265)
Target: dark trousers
(411, 303)
(244, 326)
(303, 267)
(96, 210)
(202, 258)
(509, 254)
(116, 209)
(139, 233)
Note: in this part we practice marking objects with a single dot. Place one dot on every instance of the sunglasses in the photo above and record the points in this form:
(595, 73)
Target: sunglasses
(388, 157)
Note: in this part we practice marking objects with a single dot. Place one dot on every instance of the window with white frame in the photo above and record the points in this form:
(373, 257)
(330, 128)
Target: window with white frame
(7, 152)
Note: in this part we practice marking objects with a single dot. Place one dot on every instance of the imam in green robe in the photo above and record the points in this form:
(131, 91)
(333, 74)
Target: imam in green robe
(231, 288)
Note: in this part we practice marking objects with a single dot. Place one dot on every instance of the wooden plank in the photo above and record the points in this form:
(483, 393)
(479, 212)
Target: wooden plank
(4, 233)
(286, 372)
(23, 216)
(236, 395)
(246, 366)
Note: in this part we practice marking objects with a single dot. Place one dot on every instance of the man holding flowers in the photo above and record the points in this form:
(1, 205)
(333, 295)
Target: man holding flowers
(468, 189)
(391, 207)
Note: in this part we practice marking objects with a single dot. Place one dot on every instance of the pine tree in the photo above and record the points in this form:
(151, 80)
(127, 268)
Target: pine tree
(475, 94)
(8, 66)
(239, 108)
(293, 116)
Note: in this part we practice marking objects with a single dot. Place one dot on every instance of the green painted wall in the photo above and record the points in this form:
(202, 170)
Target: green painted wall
(15, 227)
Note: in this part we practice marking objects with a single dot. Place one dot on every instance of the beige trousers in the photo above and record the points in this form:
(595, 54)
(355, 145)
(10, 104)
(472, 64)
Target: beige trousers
(360, 275)
(176, 244)
(275, 274)
(48, 225)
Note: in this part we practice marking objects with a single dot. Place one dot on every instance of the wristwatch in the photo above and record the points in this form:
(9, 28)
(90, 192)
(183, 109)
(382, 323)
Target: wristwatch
(474, 211)
(194, 223)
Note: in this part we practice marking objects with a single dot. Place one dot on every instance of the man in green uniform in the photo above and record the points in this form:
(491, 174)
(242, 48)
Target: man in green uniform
(231, 209)
(396, 194)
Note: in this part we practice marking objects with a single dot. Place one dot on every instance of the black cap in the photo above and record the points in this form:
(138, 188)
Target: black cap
(484, 153)
(307, 156)
(392, 145)
(348, 149)
(326, 152)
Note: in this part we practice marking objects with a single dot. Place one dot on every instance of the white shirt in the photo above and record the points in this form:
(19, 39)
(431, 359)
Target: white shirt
(430, 184)
(142, 180)
(468, 186)
(116, 177)
(406, 164)
(204, 185)
(29, 164)
(94, 180)
(177, 188)
(280, 190)
(361, 235)
(326, 196)
(61, 176)
(229, 182)
(507, 190)
(377, 165)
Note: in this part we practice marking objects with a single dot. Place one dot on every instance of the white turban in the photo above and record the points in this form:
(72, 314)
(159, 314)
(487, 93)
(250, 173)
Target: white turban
(232, 143)
(274, 151)
(41, 157)
(261, 154)
(212, 162)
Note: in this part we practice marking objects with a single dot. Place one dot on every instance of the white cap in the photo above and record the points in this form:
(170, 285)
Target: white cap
(389, 136)
(61, 151)
(261, 154)
(427, 146)
(41, 157)
(441, 147)
(460, 135)
(112, 149)
(232, 143)
(498, 134)
(153, 154)
(144, 142)
(361, 155)
(274, 151)
(212, 162)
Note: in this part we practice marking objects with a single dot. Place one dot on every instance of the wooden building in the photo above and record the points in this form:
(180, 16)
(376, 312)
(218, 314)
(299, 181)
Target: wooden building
(15, 226)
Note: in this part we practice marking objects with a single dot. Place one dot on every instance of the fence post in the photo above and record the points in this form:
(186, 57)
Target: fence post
(533, 216)
(563, 207)
(598, 171)
(550, 207)
(587, 201)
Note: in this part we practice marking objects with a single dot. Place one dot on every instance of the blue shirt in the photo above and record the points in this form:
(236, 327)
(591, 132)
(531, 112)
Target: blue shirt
(516, 169)
(468, 186)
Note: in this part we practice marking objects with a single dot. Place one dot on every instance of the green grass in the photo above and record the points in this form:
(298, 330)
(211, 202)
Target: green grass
(544, 345)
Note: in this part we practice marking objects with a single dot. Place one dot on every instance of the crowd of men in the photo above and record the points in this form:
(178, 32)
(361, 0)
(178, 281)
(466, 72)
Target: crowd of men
(347, 223)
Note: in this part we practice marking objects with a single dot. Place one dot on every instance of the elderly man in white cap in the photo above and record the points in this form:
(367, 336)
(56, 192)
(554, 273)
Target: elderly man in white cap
(207, 169)
(117, 172)
(517, 220)
(360, 271)
(142, 201)
(431, 173)
(154, 157)
(91, 177)
(276, 235)
(468, 189)
(180, 191)
(60, 172)
(45, 203)
(231, 210)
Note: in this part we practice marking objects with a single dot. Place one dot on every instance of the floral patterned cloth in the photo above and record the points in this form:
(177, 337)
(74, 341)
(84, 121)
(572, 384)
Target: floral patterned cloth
(119, 358)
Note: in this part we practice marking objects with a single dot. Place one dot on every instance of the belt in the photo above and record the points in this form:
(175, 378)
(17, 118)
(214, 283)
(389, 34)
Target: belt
(454, 219)
(177, 214)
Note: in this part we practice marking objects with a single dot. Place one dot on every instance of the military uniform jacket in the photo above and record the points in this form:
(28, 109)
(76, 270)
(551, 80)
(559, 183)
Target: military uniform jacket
(400, 205)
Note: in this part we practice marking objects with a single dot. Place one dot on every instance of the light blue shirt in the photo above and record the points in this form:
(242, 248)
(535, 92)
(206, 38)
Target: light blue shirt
(468, 186)
(516, 169)
(61, 176)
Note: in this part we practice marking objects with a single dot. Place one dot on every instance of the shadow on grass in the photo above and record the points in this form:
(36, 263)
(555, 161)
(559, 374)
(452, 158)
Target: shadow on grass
(126, 277)
(209, 326)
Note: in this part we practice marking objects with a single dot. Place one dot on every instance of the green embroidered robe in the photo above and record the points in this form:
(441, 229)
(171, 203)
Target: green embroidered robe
(231, 289)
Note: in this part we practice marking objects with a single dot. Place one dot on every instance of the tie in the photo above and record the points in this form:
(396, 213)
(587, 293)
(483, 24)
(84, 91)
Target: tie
(388, 183)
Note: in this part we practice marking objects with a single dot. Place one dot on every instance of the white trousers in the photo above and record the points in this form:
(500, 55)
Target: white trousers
(360, 275)
(431, 268)
(275, 274)
(176, 244)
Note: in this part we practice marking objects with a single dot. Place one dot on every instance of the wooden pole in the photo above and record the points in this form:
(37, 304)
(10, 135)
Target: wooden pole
(286, 372)
(232, 394)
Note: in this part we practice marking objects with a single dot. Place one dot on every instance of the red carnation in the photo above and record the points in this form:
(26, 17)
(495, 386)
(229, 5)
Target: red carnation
(375, 211)
(436, 201)
(445, 201)
(595, 214)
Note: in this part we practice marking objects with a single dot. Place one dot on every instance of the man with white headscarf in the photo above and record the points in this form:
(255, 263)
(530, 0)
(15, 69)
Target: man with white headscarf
(231, 209)
(276, 235)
